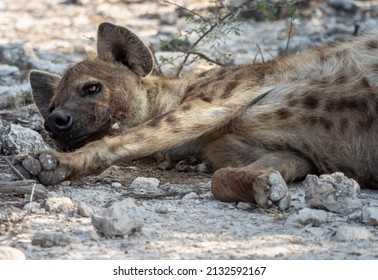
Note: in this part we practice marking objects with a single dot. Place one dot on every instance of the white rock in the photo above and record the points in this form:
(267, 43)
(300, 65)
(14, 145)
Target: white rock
(349, 233)
(11, 95)
(190, 196)
(17, 140)
(116, 185)
(123, 218)
(58, 204)
(162, 210)
(16, 54)
(244, 206)
(145, 183)
(8, 70)
(370, 216)
(47, 65)
(84, 210)
(313, 217)
(33, 207)
(10, 253)
(334, 192)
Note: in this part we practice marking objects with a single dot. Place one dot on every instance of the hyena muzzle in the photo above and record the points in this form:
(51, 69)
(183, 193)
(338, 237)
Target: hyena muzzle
(260, 125)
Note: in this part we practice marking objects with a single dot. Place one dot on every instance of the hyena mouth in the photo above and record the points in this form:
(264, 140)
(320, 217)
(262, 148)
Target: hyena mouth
(76, 143)
(70, 143)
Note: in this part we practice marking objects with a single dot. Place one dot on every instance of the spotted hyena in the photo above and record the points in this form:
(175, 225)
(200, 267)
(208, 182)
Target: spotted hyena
(312, 112)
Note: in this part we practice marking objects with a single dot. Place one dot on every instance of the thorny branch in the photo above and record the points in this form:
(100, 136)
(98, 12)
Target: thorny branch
(189, 11)
(289, 35)
(219, 21)
(195, 44)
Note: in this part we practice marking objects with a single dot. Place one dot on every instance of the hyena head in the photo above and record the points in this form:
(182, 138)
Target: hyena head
(92, 96)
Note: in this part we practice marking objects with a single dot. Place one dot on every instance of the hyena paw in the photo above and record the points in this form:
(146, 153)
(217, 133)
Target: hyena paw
(44, 166)
(266, 188)
(270, 190)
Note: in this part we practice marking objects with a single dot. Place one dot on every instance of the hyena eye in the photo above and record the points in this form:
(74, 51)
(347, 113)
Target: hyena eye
(91, 89)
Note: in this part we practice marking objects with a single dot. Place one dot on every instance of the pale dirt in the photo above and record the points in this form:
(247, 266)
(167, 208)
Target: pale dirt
(184, 226)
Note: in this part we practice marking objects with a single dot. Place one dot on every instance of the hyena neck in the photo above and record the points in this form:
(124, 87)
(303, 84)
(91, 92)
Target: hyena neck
(165, 94)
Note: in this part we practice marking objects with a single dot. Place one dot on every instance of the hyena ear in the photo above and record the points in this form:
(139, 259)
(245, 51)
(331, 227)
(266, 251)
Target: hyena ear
(116, 43)
(43, 86)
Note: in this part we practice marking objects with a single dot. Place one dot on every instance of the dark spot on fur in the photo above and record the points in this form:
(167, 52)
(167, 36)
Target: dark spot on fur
(322, 56)
(222, 71)
(220, 78)
(327, 124)
(306, 147)
(260, 75)
(191, 87)
(362, 105)
(207, 98)
(372, 44)
(365, 82)
(139, 136)
(341, 79)
(326, 167)
(264, 117)
(310, 102)
(375, 67)
(342, 104)
(239, 76)
(283, 113)
(330, 105)
(351, 103)
(310, 120)
(229, 88)
(366, 123)
(201, 75)
(344, 123)
(170, 119)
(154, 122)
(186, 107)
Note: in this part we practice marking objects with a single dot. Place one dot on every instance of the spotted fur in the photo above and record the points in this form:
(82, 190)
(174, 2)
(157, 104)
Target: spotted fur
(312, 112)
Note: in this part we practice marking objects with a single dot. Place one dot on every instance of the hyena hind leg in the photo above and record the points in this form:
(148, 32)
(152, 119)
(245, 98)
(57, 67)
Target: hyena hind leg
(263, 181)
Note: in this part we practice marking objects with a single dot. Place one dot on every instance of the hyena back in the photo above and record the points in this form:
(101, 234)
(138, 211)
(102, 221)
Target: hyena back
(313, 112)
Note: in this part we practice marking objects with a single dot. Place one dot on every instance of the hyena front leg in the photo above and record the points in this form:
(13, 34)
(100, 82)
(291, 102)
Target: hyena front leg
(263, 181)
(187, 122)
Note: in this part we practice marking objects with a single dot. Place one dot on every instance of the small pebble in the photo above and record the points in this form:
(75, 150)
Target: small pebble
(191, 195)
(116, 185)
(84, 210)
(145, 183)
(244, 206)
(370, 216)
(33, 207)
(58, 204)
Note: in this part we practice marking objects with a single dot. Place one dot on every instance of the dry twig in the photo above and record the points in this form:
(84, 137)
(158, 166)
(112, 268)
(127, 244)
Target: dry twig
(14, 169)
(24, 187)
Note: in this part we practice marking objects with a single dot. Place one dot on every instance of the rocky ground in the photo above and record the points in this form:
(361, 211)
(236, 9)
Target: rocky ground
(137, 210)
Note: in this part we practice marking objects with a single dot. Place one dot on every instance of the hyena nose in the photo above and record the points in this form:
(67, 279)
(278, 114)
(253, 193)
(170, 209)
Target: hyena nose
(57, 122)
